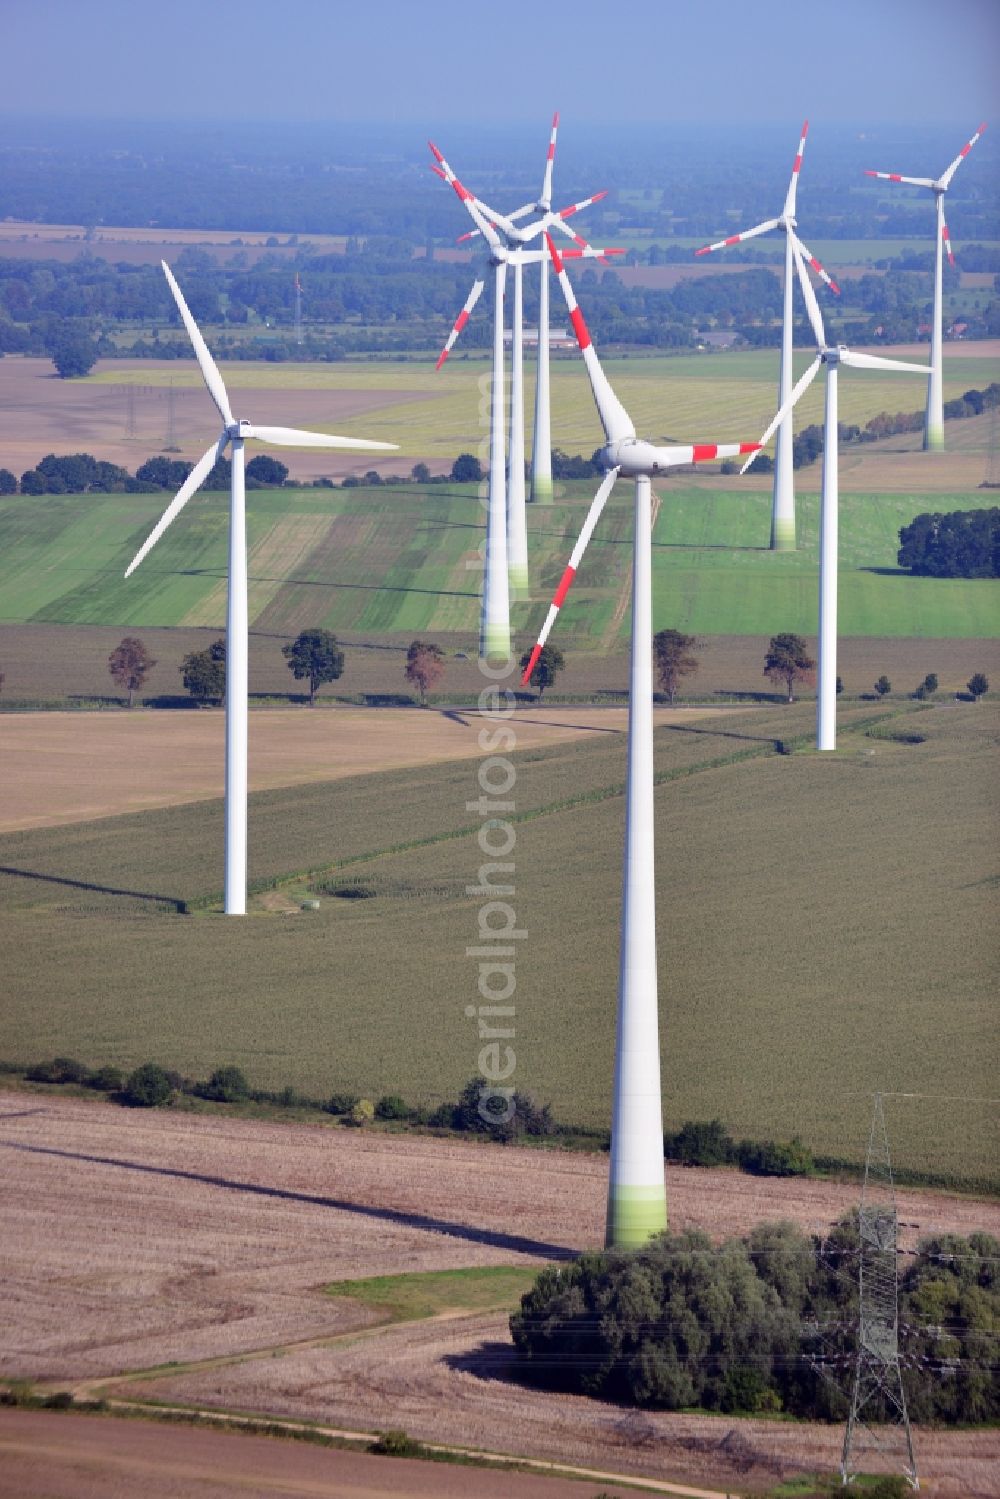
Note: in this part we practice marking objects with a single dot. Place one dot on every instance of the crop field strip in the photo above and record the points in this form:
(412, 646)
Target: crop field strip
(777, 984)
(394, 560)
(679, 398)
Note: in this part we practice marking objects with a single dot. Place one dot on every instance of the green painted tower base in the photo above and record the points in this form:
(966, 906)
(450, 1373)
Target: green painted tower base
(517, 582)
(542, 491)
(934, 439)
(783, 536)
(635, 1215)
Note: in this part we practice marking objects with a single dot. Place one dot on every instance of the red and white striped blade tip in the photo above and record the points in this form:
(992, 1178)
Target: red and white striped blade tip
(532, 663)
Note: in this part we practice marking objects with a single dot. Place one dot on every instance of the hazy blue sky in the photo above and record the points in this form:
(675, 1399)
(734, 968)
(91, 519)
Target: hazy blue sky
(438, 60)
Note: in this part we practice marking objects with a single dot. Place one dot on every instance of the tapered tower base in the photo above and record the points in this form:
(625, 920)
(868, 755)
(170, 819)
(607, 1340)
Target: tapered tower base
(934, 439)
(541, 490)
(782, 535)
(635, 1215)
(494, 642)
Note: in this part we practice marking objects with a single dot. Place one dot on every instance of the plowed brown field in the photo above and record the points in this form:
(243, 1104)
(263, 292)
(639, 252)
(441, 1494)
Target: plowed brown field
(133, 1239)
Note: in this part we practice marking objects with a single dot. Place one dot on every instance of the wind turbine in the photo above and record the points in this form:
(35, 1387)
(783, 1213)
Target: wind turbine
(934, 419)
(637, 1202)
(506, 531)
(235, 433)
(541, 446)
(783, 493)
(830, 356)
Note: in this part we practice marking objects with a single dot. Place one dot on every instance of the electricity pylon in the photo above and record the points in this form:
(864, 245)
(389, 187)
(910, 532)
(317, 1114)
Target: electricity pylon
(878, 1396)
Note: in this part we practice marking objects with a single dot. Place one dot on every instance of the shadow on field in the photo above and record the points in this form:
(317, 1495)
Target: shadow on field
(486, 1361)
(178, 905)
(682, 728)
(492, 1238)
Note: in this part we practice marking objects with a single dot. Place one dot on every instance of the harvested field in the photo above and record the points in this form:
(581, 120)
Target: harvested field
(46, 1456)
(133, 1239)
(43, 414)
(75, 767)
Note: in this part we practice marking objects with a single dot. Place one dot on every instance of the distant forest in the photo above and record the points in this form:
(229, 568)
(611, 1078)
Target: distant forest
(661, 183)
(373, 187)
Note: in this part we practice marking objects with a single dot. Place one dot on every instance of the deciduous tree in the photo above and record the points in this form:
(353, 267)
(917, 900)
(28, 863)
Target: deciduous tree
(466, 469)
(130, 664)
(978, 685)
(548, 666)
(788, 661)
(883, 686)
(314, 656)
(672, 658)
(424, 666)
(204, 673)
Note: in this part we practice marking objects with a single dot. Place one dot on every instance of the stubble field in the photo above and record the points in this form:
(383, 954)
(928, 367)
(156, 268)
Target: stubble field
(95, 1203)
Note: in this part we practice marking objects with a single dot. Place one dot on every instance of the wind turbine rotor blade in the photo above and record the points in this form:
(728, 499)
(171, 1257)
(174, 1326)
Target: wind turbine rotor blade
(615, 419)
(812, 306)
(460, 321)
(823, 275)
(546, 194)
(734, 239)
(895, 177)
(800, 387)
(209, 368)
(558, 220)
(949, 174)
(590, 252)
(946, 238)
(703, 452)
(291, 437)
(569, 572)
(876, 362)
(194, 481)
(796, 168)
(470, 201)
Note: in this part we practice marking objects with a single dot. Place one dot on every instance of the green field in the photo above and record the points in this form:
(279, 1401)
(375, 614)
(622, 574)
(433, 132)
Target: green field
(721, 397)
(390, 561)
(825, 928)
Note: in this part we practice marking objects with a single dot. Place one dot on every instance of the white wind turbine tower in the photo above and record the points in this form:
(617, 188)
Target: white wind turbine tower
(830, 356)
(934, 420)
(637, 1203)
(506, 529)
(783, 494)
(235, 433)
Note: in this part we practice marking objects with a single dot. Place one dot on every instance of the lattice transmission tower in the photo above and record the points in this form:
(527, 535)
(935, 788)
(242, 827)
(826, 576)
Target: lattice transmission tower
(878, 1421)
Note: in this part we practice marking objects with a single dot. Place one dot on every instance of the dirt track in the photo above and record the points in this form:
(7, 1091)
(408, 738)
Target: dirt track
(133, 1239)
(71, 767)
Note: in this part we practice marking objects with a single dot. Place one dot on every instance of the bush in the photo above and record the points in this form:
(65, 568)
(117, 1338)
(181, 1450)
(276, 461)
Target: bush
(362, 1113)
(772, 1159)
(105, 1079)
(391, 1106)
(443, 1117)
(397, 1444)
(59, 1070)
(148, 1087)
(341, 1103)
(700, 1143)
(226, 1085)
